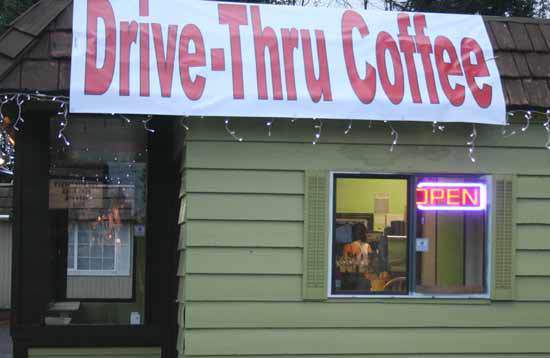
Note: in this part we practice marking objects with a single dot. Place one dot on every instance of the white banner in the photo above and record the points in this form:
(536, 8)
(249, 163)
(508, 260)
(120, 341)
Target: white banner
(191, 57)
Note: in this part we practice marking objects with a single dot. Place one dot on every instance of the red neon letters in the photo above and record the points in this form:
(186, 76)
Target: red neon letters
(451, 196)
(459, 67)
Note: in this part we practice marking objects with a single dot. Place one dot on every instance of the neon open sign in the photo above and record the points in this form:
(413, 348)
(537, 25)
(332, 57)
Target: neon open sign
(451, 196)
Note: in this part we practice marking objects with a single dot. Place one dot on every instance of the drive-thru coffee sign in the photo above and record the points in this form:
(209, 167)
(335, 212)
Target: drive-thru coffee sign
(191, 57)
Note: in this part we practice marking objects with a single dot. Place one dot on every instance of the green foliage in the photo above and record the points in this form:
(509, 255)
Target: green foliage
(524, 8)
(10, 9)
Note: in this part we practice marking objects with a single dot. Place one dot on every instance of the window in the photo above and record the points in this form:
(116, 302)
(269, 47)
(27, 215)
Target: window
(95, 249)
(409, 235)
(97, 216)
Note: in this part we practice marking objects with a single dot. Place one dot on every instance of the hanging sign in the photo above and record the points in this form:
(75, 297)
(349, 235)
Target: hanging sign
(191, 57)
(451, 196)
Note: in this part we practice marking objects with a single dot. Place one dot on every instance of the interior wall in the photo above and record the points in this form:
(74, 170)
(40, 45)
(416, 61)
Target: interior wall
(357, 195)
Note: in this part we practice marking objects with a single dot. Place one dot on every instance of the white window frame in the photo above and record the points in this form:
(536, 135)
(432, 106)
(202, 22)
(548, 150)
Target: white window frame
(414, 295)
(117, 271)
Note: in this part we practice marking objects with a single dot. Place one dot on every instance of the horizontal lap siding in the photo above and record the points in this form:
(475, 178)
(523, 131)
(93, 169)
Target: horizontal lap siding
(533, 249)
(204, 315)
(243, 232)
(267, 207)
(423, 355)
(239, 181)
(278, 261)
(374, 341)
(363, 132)
(228, 233)
(244, 240)
(358, 157)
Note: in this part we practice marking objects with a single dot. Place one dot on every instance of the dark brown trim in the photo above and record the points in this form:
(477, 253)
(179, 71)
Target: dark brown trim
(89, 336)
(33, 271)
(162, 240)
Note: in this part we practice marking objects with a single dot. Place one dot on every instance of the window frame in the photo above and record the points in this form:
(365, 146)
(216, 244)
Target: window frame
(412, 179)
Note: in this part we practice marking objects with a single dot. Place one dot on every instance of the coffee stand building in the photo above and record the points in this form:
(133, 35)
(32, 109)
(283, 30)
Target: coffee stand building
(187, 242)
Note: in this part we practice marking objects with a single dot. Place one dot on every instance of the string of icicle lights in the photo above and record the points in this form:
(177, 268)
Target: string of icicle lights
(19, 99)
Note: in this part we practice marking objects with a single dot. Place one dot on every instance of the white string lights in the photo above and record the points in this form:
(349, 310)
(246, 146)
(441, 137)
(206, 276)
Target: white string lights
(64, 124)
(546, 126)
(528, 117)
(348, 129)
(437, 127)
(394, 136)
(146, 124)
(318, 127)
(232, 132)
(269, 125)
(17, 102)
(184, 125)
(126, 119)
(472, 144)
(505, 132)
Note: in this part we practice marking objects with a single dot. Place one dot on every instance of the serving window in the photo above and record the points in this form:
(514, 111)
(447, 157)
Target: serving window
(96, 233)
(97, 210)
(409, 236)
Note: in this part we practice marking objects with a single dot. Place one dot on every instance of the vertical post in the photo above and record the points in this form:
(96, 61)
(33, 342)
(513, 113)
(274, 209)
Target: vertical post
(162, 239)
(19, 350)
(33, 273)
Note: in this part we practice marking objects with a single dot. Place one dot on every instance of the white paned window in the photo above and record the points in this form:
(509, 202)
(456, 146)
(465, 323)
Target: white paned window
(96, 252)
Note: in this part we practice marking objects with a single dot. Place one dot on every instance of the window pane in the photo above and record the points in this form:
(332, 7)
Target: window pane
(108, 252)
(83, 264)
(108, 264)
(451, 235)
(83, 236)
(96, 264)
(98, 193)
(370, 241)
(96, 251)
(84, 250)
(70, 257)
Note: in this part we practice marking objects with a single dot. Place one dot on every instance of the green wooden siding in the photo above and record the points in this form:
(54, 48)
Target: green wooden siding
(242, 282)
(250, 315)
(447, 355)
(94, 352)
(360, 340)
(218, 233)
(258, 261)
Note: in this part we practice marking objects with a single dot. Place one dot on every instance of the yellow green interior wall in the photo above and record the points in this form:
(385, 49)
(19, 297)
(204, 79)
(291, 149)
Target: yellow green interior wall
(357, 195)
(450, 249)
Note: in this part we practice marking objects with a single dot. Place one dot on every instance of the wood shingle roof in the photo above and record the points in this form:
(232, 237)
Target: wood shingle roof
(35, 50)
(522, 53)
(35, 53)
